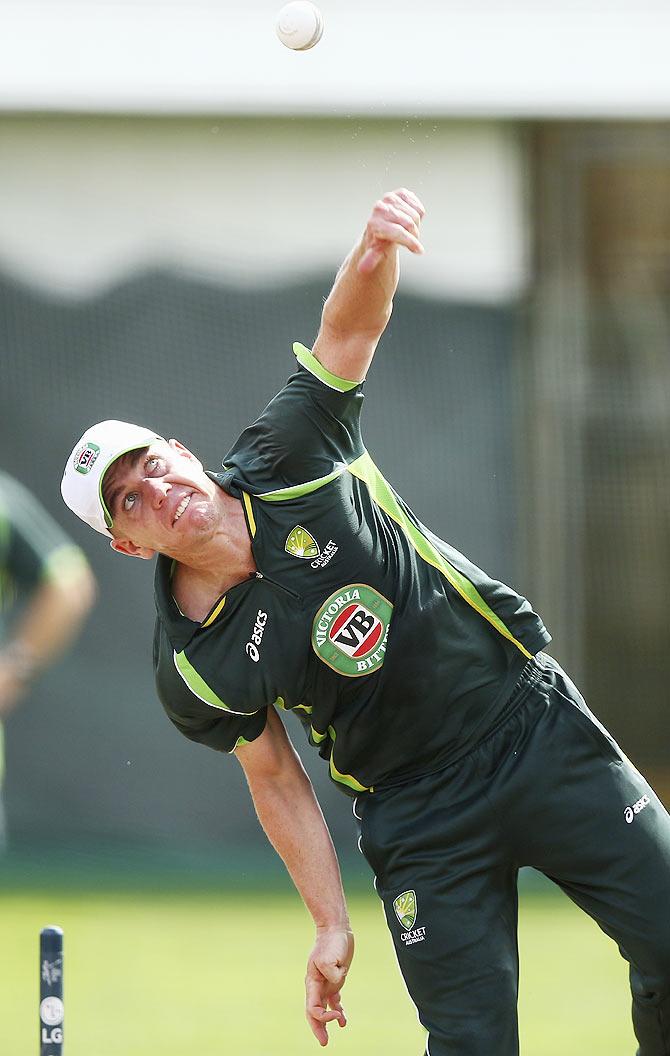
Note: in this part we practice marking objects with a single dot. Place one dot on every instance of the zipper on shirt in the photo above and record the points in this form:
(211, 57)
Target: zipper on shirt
(251, 526)
(279, 586)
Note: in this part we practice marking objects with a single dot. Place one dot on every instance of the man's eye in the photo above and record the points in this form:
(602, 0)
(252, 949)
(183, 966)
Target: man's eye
(152, 463)
(129, 501)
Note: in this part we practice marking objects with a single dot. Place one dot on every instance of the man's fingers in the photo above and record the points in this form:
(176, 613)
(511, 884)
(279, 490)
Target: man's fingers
(387, 234)
(330, 977)
(406, 201)
(403, 207)
(323, 1006)
(335, 1003)
(326, 974)
(411, 199)
(390, 213)
(319, 1018)
(394, 220)
(318, 1030)
(394, 231)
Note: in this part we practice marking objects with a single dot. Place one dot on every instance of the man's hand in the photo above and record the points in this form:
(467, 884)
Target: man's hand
(327, 969)
(360, 303)
(394, 221)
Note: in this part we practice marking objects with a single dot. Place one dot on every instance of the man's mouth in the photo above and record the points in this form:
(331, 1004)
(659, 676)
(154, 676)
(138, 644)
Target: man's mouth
(181, 507)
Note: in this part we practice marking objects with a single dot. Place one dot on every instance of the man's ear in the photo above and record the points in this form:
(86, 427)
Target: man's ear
(184, 452)
(125, 546)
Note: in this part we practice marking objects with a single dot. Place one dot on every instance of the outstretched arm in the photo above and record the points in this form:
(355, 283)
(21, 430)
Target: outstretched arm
(288, 810)
(360, 303)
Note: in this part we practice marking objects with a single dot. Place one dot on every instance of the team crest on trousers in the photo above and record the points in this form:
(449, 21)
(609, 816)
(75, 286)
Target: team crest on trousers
(405, 907)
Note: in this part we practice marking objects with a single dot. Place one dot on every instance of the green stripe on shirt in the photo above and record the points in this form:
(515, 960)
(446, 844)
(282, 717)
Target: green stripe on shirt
(296, 491)
(199, 687)
(381, 492)
(312, 364)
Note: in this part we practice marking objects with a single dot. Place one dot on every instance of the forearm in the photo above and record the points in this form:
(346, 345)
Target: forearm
(291, 817)
(360, 303)
(52, 618)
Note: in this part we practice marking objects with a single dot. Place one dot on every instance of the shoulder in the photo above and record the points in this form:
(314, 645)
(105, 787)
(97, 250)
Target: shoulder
(310, 426)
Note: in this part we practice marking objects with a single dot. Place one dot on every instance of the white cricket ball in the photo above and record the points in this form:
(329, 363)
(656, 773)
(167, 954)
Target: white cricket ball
(300, 25)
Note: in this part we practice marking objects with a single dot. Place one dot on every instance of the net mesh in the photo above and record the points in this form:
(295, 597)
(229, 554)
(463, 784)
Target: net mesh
(535, 437)
(198, 361)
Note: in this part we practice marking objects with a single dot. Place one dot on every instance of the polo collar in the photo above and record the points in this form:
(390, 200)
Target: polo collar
(180, 629)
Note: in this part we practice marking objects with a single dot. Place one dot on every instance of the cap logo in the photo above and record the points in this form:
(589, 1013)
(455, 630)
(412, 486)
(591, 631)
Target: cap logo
(85, 457)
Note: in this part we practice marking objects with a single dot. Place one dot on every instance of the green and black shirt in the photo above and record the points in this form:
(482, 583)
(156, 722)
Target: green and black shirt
(396, 653)
(33, 550)
(33, 547)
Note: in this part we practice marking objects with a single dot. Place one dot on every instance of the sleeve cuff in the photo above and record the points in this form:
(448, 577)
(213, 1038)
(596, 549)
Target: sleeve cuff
(312, 364)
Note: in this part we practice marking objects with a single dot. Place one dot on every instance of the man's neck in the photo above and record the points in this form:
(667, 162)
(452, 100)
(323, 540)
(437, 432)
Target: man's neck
(202, 576)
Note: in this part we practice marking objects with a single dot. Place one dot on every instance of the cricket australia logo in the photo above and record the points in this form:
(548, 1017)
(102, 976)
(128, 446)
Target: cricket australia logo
(301, 544)
(350, 630)
(85, 457)
(406, 910)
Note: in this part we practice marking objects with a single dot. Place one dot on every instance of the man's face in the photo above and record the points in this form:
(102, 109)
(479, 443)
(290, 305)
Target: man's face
(163, 501)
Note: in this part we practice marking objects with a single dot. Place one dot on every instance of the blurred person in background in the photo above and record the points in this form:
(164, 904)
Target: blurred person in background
(297, 579)
(46, 591)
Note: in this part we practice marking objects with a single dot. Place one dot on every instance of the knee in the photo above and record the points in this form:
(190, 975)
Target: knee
(651, 985)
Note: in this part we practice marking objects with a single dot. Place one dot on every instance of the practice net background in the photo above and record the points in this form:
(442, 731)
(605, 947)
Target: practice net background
(533, 434)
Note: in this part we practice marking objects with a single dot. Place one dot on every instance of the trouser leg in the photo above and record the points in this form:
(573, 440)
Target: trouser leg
(594, 825)
(462, 970)
(450, 902)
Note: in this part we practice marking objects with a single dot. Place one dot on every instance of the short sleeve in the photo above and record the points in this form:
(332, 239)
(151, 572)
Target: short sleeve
(34, 546)
(310, 429)
(222, 730)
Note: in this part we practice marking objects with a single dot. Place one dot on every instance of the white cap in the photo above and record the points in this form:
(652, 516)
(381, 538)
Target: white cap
(91, 457)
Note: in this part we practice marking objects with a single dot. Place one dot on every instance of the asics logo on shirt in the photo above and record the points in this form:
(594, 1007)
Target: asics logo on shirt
(251, 648)
(630, 812)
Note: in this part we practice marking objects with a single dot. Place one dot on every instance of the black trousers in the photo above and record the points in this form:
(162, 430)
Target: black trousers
(548, 788)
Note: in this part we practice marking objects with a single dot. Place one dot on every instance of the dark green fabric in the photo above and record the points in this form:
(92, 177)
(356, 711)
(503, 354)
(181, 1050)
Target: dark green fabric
(29, 536)
(550, 789)
(440, 679)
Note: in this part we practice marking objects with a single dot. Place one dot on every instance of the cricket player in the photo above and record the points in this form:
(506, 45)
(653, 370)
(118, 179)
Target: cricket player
(296, 578)
(46, 591)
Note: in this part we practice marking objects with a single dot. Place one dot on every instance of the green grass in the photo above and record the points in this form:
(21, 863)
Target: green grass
(207, 974)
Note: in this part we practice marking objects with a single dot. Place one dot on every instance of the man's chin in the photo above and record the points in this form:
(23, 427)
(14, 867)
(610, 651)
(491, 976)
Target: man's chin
(201, 526)
(201, 517)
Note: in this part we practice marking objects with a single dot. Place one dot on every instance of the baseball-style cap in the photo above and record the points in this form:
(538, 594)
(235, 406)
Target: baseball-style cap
(91, 457)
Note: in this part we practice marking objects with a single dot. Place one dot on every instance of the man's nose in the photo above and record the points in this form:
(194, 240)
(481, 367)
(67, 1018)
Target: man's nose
(158, 489)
